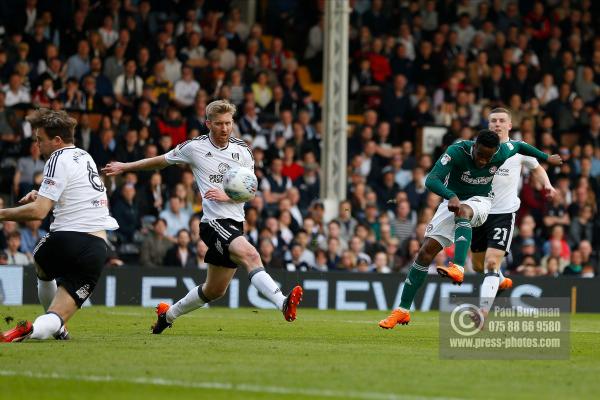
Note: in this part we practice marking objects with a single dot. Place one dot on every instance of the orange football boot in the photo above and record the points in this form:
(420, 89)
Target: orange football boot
(451, 271)
(291, 304)
(161, 321)
(506, 284)
(396, 317)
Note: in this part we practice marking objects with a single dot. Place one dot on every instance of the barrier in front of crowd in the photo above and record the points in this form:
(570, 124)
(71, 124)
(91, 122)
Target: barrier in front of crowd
(329, 290)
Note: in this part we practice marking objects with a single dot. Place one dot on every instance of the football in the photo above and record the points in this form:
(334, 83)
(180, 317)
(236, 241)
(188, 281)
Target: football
(240, 184)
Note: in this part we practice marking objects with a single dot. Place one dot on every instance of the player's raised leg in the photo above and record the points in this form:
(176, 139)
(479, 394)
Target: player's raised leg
(462, 240)
(246, 255)
(416, 276)
(215, 286)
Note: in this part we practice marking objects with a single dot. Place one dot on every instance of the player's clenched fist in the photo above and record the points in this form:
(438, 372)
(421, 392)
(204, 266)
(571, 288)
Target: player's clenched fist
(454, 204)
(554, 159)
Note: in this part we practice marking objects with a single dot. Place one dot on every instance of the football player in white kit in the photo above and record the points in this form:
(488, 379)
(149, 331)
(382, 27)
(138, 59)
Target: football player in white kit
(491, 241)
(70, 258)
(221, 227)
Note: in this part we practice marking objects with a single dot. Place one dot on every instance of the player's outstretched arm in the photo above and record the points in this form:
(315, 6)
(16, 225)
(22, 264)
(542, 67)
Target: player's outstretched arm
(35, 210)
(117, 168)
(528, 150)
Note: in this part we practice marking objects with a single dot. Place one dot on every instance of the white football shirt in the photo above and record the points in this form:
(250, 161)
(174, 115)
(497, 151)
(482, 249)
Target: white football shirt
(71, 180)
(506, 184)
(209, 163)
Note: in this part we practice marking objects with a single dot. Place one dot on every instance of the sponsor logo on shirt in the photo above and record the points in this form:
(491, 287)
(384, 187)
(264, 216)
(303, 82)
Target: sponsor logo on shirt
(100, 203)
(445, 159)
(493, 169)
(223, 168)
(49, 181)
(483, 180)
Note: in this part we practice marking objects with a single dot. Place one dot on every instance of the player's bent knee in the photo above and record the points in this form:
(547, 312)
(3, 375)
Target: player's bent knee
(465, 212)
(492, 265)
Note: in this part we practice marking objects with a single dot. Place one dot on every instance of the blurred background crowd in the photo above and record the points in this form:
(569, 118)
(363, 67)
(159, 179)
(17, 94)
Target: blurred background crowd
(138, 75)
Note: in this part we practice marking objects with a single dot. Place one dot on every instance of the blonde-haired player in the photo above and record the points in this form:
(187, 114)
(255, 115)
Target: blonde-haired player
(221, 227)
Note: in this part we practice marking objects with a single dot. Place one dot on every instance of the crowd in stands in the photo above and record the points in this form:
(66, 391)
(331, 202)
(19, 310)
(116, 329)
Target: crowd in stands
(138, 74)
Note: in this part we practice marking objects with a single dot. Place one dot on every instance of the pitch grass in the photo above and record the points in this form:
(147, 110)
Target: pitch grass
(221, 353)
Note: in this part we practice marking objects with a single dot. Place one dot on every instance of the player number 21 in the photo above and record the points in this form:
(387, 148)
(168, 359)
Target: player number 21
(503, 231)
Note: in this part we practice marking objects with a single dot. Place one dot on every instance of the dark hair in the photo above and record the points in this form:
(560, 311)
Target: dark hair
(54, 123)
(158, 220)
(488, 138)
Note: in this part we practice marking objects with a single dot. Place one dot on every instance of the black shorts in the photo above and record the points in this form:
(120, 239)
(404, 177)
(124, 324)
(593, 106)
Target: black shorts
(218, 235)
(496, 232)
(74, 259)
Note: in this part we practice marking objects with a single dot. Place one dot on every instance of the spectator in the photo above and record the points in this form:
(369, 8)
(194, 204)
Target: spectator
(160, 89)
(271, 258)
(173, 125)
(575, 267)
(186, 88)
(126, 212)
(30, 236)
(175, 216)
(14, 256)
(155, 245)
(583, 227)
(102, 147)
(262, 91)
(194, 52)
(180, 254)
(79, 64)
(15, 92)
(128, 87)
(27, 167)
(172, 64)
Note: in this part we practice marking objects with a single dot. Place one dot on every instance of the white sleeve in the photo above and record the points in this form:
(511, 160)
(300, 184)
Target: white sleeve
(247, 157)
(530, 162)
(180, 154)
(55, 178)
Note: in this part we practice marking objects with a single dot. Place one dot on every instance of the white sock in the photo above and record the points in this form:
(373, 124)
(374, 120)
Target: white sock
(501, 277)
(267, 286)
(46, 292)
(45, 326)
(190, 302)
(489, 288)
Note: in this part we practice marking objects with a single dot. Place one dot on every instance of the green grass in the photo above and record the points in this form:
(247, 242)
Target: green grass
(221, 353)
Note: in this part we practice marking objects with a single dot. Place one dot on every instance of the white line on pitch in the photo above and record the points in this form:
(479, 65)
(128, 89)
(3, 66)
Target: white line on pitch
(223, 386)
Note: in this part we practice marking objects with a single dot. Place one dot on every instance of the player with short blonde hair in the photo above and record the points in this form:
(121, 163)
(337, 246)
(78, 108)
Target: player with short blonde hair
(221, 228)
